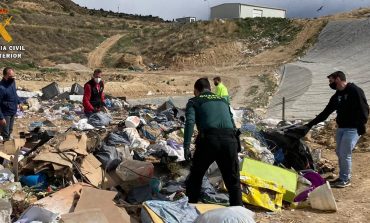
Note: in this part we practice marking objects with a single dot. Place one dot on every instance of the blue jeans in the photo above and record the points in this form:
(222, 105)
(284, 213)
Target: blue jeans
(346, 142)
(7, 130)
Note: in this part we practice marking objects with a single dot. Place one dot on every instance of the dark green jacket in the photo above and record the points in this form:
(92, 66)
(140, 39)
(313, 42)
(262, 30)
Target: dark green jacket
(206, 111)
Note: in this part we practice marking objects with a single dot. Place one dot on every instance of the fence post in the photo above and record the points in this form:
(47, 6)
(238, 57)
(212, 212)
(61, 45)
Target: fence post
(283, 116)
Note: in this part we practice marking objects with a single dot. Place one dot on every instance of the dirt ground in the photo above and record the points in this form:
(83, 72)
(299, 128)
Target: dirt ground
(353, 202)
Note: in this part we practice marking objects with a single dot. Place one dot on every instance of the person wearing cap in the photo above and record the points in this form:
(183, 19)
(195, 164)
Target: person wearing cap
(94, 99)
(352, 109)
(221, 89)
(216, 141)
(9, 102)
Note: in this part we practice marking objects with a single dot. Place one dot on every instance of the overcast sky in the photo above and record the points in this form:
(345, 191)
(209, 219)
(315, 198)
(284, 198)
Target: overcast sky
(169, 9)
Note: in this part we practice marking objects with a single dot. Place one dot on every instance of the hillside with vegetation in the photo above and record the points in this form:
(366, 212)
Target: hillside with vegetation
(176, 43)
(59, 31)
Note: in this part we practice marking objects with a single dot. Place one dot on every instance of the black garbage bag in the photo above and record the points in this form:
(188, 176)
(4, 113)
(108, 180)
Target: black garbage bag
(99, 119)
(109, 157)
(297, 154)
(117, 139)
(139, 194)
(170, 111)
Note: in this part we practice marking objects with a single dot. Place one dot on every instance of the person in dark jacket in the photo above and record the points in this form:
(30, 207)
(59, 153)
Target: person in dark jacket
(93, 99)
(216, 141)
(9, 102)
(352, 114)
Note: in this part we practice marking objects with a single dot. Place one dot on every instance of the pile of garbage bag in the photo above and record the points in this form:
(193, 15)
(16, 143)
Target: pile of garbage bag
(131, 160)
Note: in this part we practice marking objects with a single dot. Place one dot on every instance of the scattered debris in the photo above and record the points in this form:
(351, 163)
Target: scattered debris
(62, 163)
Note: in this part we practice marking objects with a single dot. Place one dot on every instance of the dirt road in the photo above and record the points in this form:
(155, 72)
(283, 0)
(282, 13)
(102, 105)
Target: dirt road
(96, 56)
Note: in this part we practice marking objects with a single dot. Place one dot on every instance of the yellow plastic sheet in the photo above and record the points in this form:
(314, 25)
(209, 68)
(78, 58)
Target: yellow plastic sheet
(262, 193)
(280, 176)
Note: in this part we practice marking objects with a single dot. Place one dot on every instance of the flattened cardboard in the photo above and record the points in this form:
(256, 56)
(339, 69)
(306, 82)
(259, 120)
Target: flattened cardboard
(75, 143)
(57, 167)
(90, 167)
(94, 215)
(62, 201)
(55, 158)
(6, 156)
(39, 167)
(103, 200)
(11, 146)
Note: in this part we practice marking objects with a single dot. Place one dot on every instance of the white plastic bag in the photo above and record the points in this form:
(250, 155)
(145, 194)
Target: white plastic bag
(234, 214)
(135, 140)
(322, 198)
(132, 122)
(82, 125)
(162, 145)
(34, 104)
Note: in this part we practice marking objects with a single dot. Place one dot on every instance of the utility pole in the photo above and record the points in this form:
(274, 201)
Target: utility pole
(209, 9)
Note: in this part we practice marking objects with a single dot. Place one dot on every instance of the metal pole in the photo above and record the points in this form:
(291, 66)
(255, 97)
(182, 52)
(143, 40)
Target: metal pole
(283, 109)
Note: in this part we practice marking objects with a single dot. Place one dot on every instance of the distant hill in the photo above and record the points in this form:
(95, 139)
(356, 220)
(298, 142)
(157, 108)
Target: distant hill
(60, 31)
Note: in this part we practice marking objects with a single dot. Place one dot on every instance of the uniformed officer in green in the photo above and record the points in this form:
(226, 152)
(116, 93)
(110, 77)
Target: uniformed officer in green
(216, 141)
(221, 89)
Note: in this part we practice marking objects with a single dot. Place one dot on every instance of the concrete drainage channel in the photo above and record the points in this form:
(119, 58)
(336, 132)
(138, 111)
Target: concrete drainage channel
(342, 45)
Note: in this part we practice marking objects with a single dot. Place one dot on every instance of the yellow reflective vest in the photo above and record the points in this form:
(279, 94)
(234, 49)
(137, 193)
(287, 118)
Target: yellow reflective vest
(221, 91)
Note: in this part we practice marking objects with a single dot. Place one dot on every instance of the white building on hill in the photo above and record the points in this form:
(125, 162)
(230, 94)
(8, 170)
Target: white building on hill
(238, 10)
(186, 19)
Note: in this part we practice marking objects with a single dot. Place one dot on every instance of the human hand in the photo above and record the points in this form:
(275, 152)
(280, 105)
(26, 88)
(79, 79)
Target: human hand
(105, 109)
(309, 125)
(304, 129)
(361, 130)
(187, 154)
(2, 122)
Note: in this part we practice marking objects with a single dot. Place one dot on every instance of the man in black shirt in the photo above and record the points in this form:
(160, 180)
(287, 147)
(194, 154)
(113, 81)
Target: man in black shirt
(352, 113)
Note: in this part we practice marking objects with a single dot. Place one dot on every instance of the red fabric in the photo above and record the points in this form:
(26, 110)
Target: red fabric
(87, 95)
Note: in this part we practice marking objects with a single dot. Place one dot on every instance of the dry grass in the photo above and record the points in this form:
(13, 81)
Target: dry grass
(166, 44)
(57, 32)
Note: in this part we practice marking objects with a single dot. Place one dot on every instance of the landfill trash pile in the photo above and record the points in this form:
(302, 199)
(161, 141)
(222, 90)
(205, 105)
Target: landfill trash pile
(131, 160)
